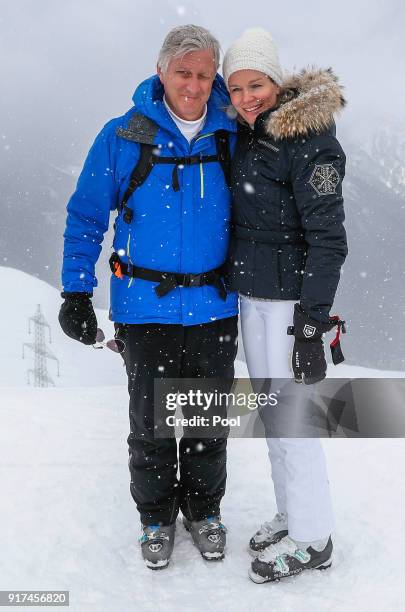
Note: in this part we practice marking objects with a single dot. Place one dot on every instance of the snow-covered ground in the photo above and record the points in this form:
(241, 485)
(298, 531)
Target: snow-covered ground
(68, 522)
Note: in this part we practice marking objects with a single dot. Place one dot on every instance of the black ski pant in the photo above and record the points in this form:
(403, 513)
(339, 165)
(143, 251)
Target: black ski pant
(175, 351)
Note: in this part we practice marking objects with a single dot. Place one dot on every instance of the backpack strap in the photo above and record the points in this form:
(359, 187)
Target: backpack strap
(180, 162)
(139, 174)
(168, 280)
(143, 131)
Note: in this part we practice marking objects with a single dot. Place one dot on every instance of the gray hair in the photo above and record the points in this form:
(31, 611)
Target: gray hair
(185, 39)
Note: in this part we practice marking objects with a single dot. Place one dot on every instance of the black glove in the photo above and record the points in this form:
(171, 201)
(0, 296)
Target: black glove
(77, 317)
(308, 358)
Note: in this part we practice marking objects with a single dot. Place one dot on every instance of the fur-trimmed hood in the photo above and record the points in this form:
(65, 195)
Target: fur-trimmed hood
(307, 103)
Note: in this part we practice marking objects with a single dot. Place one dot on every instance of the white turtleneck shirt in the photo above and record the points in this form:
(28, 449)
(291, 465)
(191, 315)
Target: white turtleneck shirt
(189, 129)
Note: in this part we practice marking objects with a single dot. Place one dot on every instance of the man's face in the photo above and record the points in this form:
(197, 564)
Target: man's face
(188, 82)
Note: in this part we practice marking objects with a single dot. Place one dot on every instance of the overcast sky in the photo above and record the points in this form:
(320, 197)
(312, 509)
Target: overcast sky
(67, 67)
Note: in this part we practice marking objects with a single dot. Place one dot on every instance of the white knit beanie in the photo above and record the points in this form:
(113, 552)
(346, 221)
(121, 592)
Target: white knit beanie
(254, 50)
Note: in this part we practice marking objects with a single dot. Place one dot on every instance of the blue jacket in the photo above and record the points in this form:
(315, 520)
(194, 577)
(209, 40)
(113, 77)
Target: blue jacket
(184, 231)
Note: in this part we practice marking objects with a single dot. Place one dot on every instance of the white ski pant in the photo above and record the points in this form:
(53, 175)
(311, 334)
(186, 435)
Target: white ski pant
(298, 465)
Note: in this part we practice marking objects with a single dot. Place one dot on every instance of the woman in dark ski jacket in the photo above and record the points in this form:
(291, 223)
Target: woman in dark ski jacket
(286, 251)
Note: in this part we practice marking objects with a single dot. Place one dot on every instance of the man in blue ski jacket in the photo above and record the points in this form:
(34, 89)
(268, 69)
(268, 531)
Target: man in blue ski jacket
(164, 168)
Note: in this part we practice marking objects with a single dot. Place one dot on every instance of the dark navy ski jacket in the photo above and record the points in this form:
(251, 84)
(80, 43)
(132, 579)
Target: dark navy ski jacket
(288, 238)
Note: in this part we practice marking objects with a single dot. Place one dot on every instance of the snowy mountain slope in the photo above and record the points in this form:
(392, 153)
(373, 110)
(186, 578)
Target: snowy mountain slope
(387, 147)
(68, 522)
(371, 294)
(34, 195)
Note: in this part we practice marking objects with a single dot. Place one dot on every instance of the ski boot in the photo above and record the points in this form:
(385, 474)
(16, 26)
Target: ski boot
(287, 559)
(209, 535)
(157, 543)
(269, 533)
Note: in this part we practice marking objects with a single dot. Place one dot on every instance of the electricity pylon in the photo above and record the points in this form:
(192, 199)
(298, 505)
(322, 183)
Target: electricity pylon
(41, 351)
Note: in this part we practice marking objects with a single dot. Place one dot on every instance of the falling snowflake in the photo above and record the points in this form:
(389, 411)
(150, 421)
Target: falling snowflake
(248, 187)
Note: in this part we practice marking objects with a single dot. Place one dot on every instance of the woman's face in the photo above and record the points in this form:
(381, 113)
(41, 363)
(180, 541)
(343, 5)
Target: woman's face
(252, 92)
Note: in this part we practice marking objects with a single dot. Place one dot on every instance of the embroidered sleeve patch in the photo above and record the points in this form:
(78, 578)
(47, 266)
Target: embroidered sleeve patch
(324, 179)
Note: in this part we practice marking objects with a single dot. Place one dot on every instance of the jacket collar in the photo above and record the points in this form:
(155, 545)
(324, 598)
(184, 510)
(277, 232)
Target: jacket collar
(307, 104)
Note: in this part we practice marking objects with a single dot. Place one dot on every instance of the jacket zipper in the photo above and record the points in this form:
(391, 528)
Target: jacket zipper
(268, 145)
(273, 147)
(201, 166)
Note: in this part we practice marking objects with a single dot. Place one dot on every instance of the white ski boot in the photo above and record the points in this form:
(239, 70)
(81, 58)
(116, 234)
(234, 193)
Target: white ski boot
(269, 533)
(287, 559)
